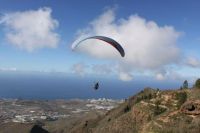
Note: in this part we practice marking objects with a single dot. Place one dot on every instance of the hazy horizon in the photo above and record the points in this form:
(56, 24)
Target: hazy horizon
(62, 86)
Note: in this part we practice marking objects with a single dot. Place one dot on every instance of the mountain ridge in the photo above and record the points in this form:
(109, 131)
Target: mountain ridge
(150, 111)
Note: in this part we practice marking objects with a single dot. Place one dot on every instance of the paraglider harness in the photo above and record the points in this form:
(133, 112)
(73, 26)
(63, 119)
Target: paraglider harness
(96, 86)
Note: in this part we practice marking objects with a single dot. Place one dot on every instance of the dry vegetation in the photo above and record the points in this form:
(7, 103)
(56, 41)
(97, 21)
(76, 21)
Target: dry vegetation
(150, 111)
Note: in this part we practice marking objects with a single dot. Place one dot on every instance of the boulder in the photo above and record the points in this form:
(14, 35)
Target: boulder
(191, 107)
(38, 129)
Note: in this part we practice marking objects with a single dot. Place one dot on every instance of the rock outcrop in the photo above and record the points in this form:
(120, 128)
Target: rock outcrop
(38, 129)
(191, 107)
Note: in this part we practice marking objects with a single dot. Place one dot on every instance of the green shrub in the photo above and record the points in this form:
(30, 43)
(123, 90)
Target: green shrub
(181, 97)
(157, 109)
(197, 83)
(185, 84)
(127, 108)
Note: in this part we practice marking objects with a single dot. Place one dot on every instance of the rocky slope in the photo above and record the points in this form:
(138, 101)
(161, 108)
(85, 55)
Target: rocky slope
(150, 111)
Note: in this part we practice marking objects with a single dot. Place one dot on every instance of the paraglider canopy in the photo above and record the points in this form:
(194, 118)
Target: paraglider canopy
(110, 41)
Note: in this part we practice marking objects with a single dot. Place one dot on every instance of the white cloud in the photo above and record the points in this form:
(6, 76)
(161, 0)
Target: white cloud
(8, 69)
(125, 76)
(171, 74)
(160, 76)
(193, 62)
(79, 68)
(31, 29)
(102, 68)
(147, 46)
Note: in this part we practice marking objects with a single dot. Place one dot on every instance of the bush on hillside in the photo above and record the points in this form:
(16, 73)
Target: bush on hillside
(185, 84)
(197, 83)
(181, 97)
(157, 109)
(127, 108)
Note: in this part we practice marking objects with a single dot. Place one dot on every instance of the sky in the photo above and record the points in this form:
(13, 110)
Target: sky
(161, 39)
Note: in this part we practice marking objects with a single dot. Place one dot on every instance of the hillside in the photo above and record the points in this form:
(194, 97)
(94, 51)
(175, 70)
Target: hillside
(150, 111)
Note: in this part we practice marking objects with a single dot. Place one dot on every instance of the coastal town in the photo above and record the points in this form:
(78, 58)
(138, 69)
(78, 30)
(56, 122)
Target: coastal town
(29, 111)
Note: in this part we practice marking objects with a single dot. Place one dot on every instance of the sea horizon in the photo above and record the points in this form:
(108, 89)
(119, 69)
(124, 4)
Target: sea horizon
(51, 86)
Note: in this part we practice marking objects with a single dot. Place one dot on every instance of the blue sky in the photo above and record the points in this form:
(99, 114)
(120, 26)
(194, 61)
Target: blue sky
(174, 22)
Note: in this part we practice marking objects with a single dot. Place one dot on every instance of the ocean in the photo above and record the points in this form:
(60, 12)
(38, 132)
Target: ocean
(36, 85)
